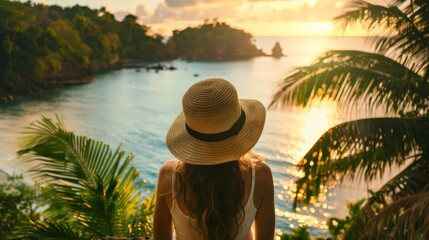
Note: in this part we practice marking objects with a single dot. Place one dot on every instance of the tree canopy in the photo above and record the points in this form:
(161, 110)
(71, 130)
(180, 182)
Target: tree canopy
(212, 40)
(48, 46)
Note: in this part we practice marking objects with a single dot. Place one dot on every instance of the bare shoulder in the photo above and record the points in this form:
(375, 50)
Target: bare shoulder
(164, 177)
(264, 186)
(263, 172)
(167, 167)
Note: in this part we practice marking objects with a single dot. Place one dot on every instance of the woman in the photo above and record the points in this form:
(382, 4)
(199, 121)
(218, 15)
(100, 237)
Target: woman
(217, 188)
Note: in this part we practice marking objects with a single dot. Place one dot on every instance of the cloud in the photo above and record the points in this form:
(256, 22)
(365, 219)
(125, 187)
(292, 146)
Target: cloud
(141, 11)
(179, 14)
(244, 10)
(223, 11)
(322, 10)
(180, 3)
(119, 15)
(163, 13)
(270, 11)
(184, 3)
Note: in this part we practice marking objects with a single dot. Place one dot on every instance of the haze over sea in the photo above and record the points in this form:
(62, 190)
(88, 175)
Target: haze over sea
(136, 108)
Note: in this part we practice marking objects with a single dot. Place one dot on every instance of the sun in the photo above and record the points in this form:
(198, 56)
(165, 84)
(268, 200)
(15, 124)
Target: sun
(311, 3)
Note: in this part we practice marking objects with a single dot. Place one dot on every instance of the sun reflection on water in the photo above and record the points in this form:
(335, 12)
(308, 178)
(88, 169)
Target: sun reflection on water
(314, 123)
(314, 215)
(308, 127)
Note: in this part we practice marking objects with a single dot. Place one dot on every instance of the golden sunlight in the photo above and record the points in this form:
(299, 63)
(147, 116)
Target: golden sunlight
(311, 3)
(313, 123)
(318, 28)
(288, 28)
(316, 122)
(339, 4)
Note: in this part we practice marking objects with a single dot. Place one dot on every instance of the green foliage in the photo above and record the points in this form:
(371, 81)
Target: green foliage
(50, 46)
(18, 204)
(214, 40)
(89, 190)
(363, 148)
(339, 226)
(47, 46)
(299, 233)
(396, 77)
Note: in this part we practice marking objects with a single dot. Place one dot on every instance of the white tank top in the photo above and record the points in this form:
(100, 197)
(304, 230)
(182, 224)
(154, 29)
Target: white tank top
(183, 230)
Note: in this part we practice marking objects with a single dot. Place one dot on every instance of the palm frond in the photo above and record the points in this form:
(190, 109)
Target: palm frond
(410, 216)
(401, 33)
(413, 179)
(347, 76)
(94, 185)
(405, 218)
(49, 230)
(417, 10)
(362, 148)
(140, 224)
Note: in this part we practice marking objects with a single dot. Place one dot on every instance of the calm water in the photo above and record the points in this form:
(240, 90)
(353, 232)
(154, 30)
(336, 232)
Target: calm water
(136, 109)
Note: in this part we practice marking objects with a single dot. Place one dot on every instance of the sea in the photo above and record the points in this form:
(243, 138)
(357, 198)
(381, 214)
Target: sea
(135, 107)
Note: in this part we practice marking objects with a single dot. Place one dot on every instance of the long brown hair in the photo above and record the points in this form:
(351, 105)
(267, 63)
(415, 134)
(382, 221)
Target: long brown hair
(214, 196)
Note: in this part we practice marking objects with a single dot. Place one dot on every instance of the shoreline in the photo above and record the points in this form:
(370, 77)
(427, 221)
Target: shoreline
(62, 81)
(49, 86)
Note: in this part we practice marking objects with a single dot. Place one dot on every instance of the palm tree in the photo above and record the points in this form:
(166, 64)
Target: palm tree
(396, 77)
(90, 191)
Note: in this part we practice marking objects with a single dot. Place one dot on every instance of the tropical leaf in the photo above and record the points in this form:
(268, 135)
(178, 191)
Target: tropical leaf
(362, 148)
(397, 30)
(348, 76)
(49, 230)
(410, 215)
(94, 187)
(405, 218)
(411, 180)
(141, 222)
(339, 226)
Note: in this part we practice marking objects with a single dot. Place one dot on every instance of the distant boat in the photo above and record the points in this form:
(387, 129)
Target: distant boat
(196, 75)
(138, 70)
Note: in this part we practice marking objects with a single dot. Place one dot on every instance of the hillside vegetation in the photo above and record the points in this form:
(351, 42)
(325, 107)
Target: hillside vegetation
(44, 47)
(212, 40)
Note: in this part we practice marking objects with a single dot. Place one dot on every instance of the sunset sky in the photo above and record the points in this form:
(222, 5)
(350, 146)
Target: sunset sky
(258, 17)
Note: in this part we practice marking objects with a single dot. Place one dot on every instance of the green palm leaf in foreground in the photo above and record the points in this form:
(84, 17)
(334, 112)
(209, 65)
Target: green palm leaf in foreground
(88, 187)
(395, 77)
(348, 76)
(397, 217)
(363, 148)
(50, 230)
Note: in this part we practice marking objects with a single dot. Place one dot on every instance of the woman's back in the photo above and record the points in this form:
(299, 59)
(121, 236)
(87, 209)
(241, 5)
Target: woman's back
(256, 176)
(207, 193)
(181, 214)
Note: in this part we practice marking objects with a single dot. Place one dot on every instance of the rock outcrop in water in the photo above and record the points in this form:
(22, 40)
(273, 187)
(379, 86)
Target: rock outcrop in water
(277, 50)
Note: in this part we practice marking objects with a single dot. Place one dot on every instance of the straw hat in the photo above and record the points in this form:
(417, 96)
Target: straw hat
(215, 126)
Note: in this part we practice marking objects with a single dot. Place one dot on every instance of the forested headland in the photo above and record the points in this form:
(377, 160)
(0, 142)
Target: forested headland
(44, 47)
(212, 40)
